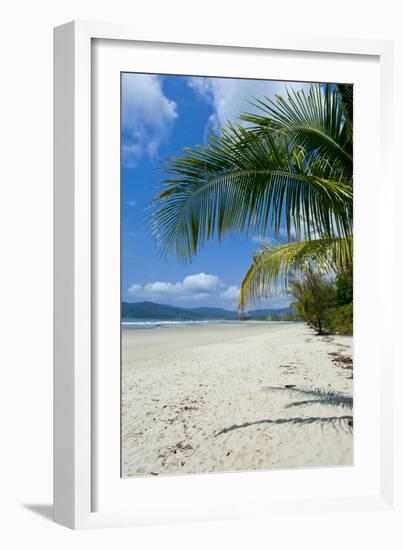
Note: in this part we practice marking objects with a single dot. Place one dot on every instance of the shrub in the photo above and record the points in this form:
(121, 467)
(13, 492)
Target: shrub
(344, 289)
(314, 298)
(340, 320)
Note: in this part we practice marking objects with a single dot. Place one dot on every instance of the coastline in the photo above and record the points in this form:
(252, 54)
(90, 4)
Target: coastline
(234, 396)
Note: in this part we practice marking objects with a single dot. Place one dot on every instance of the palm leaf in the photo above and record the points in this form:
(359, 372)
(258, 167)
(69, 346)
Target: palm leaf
(244, 181)
(317, 122)
(347, 95)
(273, 264)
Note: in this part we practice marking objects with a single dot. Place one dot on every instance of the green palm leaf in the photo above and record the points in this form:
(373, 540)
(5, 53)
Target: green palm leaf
(244, 181)
(318, 122)
(346, 93)
(292, 166)
(272, 264)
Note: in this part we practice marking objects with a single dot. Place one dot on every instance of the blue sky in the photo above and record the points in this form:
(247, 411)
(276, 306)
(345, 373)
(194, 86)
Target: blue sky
(160, 116)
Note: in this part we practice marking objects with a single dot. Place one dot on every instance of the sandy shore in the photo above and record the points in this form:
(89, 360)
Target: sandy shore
(215, 398)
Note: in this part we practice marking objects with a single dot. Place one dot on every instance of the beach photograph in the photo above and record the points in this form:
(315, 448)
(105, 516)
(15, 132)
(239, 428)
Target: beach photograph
(236, 275)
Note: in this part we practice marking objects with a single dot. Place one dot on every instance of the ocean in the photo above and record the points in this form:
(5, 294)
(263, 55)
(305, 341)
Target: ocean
(136, 325)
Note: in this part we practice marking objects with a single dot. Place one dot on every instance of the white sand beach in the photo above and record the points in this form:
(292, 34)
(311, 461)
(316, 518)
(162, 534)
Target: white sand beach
(229, 397)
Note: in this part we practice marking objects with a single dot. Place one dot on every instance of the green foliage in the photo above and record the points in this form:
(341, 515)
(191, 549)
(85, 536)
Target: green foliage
(344, 289)
(340, 320)
(291, 317)
(288, 316)
(314, 299)
(272, 263)
(291, 166)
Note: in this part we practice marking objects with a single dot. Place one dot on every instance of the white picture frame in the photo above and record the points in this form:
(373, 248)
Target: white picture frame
(77, 427)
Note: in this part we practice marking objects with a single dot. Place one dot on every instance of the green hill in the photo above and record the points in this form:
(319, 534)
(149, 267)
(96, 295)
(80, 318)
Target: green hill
(139, 311)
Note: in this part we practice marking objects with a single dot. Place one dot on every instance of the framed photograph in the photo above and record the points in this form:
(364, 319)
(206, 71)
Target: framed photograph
(217, 208)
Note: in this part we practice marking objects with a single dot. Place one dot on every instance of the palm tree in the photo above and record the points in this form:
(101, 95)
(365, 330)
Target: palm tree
(290, 166)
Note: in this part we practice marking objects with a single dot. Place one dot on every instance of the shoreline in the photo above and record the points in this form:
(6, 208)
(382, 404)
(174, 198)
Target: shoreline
(226, 397)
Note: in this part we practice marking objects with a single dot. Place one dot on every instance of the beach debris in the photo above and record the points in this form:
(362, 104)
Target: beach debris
(154, 473)
(342, 346)
(180, 446)
(289, 369)
(343, 361)
(189, 408)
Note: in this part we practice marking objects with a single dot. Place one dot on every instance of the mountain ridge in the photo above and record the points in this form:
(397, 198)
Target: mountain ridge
(132, 311)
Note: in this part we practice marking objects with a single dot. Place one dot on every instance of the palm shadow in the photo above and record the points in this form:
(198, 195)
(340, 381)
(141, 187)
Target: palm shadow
(318, 397)
(343, 422)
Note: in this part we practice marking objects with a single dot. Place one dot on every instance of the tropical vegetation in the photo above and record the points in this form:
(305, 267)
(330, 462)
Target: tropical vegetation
(287, 165)
(326, 305)
(314, 297)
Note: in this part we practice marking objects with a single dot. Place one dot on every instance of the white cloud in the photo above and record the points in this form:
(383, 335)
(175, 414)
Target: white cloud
(131, 203)
(160, 288)
(193, 287)
(201, 283)
(232, 293)
(282, 237)
(231, 96)
(198, 289)
(134, 289)
(202, 85)
(147, 116)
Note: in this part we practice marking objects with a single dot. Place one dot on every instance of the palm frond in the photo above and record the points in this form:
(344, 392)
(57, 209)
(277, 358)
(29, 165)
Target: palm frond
(317, 122)
(244, 181)
(273, 264)
(347, 96)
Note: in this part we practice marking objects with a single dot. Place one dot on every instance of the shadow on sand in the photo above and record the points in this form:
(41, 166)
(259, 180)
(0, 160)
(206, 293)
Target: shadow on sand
(333, 420)
(318, 397)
